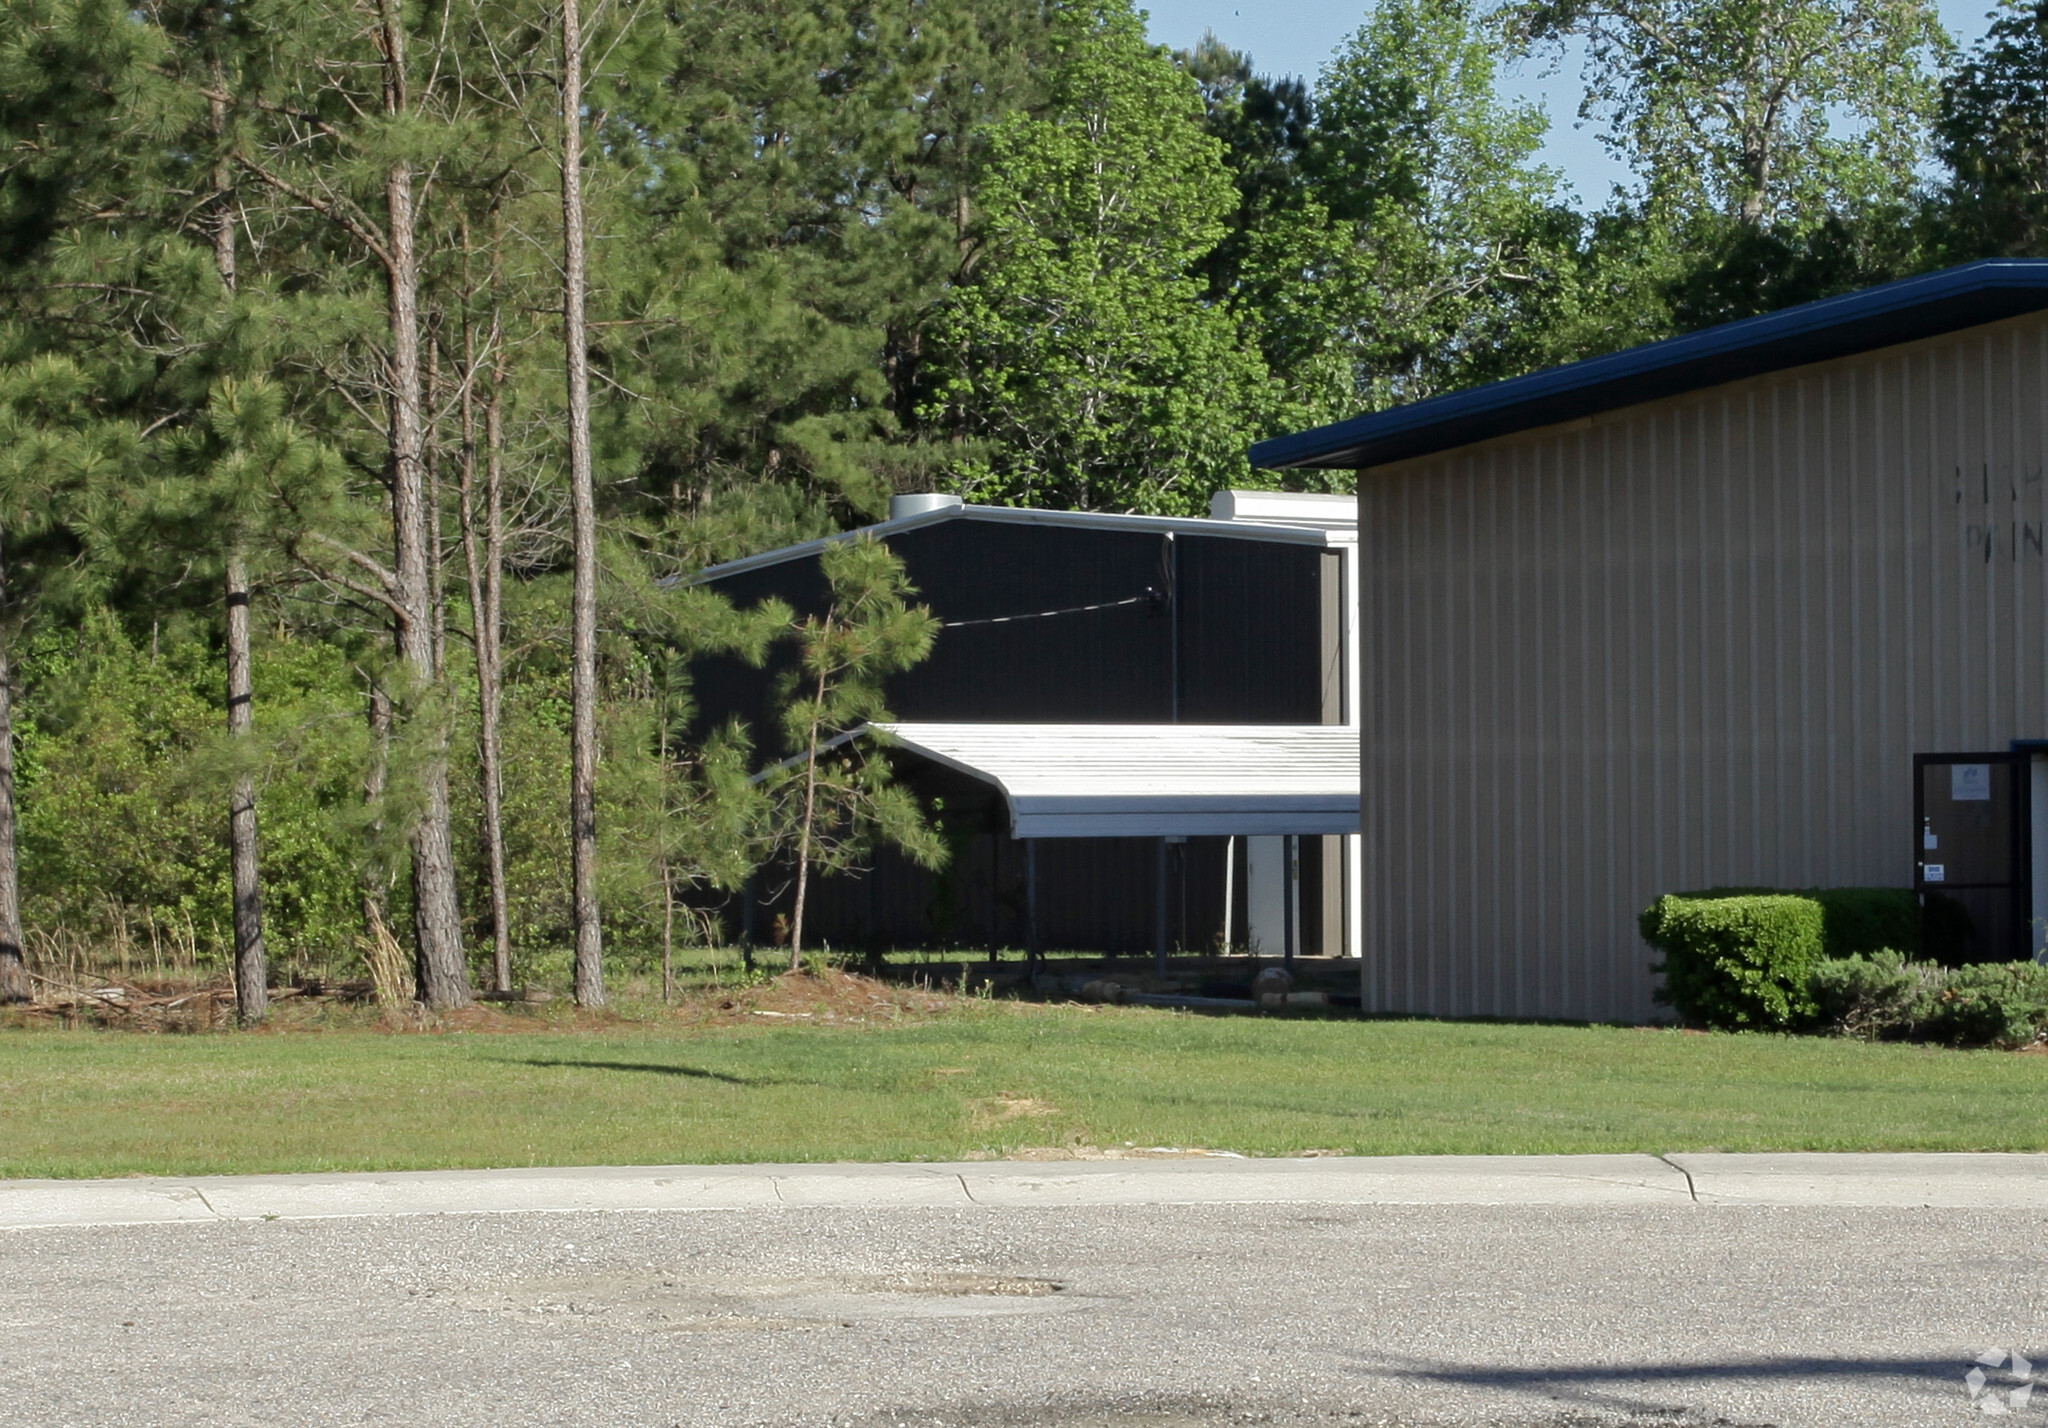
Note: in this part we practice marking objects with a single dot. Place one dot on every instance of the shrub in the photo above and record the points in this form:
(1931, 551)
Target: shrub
(1869, 996)
(1737, 963)
(1990, 1004)
(1865, 921)
(1854, 921)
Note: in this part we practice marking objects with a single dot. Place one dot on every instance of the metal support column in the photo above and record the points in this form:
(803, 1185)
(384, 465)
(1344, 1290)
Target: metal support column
(1229, 889)
(1159, 910)
(1290, 896)
(1031, 948)
(995, 895)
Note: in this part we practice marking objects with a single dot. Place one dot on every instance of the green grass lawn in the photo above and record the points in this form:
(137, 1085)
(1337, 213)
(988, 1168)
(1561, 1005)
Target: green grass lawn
(982, 1079)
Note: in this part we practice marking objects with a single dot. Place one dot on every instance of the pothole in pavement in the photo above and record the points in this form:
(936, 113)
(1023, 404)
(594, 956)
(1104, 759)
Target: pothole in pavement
(652, 1302)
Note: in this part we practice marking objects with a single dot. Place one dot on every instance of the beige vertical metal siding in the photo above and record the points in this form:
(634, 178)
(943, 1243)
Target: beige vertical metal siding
(1690, 643)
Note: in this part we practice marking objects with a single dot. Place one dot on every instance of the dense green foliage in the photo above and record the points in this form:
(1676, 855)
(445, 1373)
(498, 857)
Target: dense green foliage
(1737, 963)
(121, 834)
(1857, 920)
(1080, 345)
(280, 295)
(1993, 135)
(1853, 920)
(1842, 959)
(1884, 995)
(1867, 996)
(1991, 1004)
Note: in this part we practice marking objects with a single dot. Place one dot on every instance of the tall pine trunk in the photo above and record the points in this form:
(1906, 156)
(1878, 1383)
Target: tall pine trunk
(376, 914)
(245, 869)
(437, 593)
(14, 984)
(486, 627)
(442, 974)
(583, 519)
(252, 966)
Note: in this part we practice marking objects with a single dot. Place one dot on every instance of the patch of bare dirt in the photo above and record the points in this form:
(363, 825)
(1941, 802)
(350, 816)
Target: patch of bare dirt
(827, 996)
(988, 1111)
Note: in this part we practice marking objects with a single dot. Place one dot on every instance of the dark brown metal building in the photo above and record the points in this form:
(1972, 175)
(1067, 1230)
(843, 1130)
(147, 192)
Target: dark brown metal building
(1078, 618)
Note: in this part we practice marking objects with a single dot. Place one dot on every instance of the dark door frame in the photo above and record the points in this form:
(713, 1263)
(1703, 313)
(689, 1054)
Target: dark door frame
(2020, 888)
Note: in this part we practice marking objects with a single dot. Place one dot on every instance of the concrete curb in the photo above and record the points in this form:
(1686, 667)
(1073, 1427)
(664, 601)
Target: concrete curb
(1679, 1181)
(1966, 1182)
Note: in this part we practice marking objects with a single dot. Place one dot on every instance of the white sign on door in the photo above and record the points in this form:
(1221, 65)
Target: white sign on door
(1969, 783)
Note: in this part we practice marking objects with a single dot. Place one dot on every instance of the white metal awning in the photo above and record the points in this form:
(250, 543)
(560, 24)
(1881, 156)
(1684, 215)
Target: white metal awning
(1155, 780)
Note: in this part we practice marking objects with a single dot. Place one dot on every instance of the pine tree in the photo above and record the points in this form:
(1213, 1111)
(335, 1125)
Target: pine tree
(686, 816)
(836, 798)
(589, 929)
(814, 196)
(66, 437)
(338, 125)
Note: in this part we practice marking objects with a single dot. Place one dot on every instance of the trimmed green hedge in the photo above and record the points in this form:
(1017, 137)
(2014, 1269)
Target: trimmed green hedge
(1743, 958)
(1737, 963)
(1837, 959)
(1853, 920)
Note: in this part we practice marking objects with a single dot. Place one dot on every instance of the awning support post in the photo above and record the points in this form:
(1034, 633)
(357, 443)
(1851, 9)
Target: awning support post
(995, 894)
(1229, 888)
(1031, 947)
(1159, 909)
(1290, 894)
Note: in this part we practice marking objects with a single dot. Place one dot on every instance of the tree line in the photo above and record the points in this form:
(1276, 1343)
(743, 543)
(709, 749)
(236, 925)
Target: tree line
(374, 375)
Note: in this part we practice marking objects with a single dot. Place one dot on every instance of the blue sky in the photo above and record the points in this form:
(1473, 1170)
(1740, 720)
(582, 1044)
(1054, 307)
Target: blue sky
(1295, 38)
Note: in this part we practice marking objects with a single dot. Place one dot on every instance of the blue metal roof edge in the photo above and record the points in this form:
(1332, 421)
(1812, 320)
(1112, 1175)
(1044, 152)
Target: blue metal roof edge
(1884, 316)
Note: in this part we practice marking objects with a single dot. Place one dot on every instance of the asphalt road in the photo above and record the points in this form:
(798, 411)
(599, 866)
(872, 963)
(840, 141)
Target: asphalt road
(1170, 1315)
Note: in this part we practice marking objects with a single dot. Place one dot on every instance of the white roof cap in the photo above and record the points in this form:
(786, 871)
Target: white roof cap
(1286, 508)
(1155, 780)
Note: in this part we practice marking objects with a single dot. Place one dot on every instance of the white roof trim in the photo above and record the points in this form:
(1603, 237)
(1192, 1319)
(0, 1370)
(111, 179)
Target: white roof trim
(1155, 780)
(1283, 534)
(1334, 513)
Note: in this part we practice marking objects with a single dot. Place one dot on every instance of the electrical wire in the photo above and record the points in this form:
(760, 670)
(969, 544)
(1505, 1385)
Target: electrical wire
(1148, 596)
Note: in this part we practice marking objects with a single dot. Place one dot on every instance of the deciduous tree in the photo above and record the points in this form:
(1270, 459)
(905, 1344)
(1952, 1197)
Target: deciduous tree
(1083, 347)
(1994, 141)
(1768, 111)
(1435, 246)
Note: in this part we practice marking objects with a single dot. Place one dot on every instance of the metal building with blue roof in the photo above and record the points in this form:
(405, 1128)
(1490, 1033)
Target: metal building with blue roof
(1725, 610)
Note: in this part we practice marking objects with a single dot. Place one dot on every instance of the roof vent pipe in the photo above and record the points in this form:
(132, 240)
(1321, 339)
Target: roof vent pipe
(922, 503)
